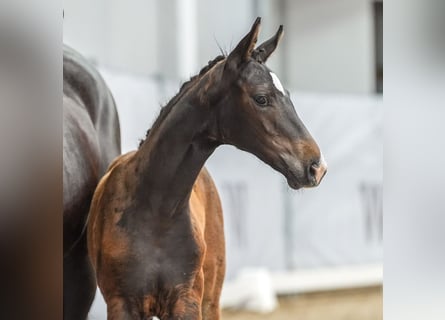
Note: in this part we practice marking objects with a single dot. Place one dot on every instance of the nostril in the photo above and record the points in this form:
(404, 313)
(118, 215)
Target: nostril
(316, 172)
(313, 169)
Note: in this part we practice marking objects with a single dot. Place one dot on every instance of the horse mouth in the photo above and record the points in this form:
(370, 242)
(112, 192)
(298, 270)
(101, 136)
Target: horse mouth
(289, 170)
(291, 173)
(294, 184)
(293, 181)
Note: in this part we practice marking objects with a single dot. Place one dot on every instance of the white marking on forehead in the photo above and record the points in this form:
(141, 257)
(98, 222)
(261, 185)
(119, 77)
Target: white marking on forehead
(155, 318)
(277, 82)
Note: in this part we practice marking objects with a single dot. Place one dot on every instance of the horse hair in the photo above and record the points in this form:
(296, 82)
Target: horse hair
(184, 88)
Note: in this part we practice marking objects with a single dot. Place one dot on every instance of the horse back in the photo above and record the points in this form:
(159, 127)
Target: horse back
(83, 84)
(205, 205)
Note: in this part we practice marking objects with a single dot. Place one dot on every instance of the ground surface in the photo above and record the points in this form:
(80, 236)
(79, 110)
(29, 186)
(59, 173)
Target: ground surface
(357, 304)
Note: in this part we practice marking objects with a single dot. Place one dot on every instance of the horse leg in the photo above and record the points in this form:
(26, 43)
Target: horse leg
(189, 307)
(117, 310)
(190, 310)
(211, 310)
(79, 283)
(214, 278)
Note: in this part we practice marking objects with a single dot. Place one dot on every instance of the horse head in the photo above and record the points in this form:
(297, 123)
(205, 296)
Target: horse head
(255, 114)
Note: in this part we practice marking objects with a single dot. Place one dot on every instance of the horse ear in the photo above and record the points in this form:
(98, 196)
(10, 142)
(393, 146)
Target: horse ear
(243, 51)
(262, 53)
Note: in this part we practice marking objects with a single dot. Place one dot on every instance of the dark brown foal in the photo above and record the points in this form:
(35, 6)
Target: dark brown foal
(155, 233)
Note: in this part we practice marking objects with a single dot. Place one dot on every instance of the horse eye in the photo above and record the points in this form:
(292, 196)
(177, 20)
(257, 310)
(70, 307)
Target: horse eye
(261, 100)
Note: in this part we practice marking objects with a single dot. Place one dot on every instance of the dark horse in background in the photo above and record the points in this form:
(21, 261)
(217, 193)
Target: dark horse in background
(91, 140)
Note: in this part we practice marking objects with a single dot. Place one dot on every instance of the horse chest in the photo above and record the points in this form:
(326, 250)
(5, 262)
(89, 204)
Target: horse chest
(164, 257)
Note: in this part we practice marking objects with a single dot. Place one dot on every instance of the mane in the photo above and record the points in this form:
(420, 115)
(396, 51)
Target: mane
(184, 88)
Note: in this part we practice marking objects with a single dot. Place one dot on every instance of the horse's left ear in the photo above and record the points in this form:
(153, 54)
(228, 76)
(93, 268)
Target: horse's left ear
(262, 53)
(243, 51)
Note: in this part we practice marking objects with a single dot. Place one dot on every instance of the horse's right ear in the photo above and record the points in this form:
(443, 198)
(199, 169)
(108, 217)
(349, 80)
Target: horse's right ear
(262, 53)
(243, 51)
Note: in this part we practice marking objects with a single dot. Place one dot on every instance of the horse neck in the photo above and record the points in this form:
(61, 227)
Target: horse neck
(172, 156)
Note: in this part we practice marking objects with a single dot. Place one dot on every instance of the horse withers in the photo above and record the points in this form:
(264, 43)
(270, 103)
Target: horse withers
(155, 233)
(91, 140)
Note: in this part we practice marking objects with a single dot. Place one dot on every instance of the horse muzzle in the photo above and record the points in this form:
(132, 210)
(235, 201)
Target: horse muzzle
(316, 171)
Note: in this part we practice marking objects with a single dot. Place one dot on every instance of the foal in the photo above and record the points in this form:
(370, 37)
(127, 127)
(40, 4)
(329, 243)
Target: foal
(155, 233)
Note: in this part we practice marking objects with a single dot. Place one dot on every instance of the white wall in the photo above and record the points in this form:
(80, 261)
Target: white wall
(122, 34)
(224, 23)
(327, 46)
(133, 35)
(330, 48)
(85, 26)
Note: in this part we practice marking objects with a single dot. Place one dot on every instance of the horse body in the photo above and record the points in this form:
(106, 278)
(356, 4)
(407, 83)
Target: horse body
(155, 231)
(157, 258)
(91, 139)
(156, 226)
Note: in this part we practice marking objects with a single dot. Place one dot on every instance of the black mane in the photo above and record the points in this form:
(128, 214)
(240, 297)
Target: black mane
(184, 87)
